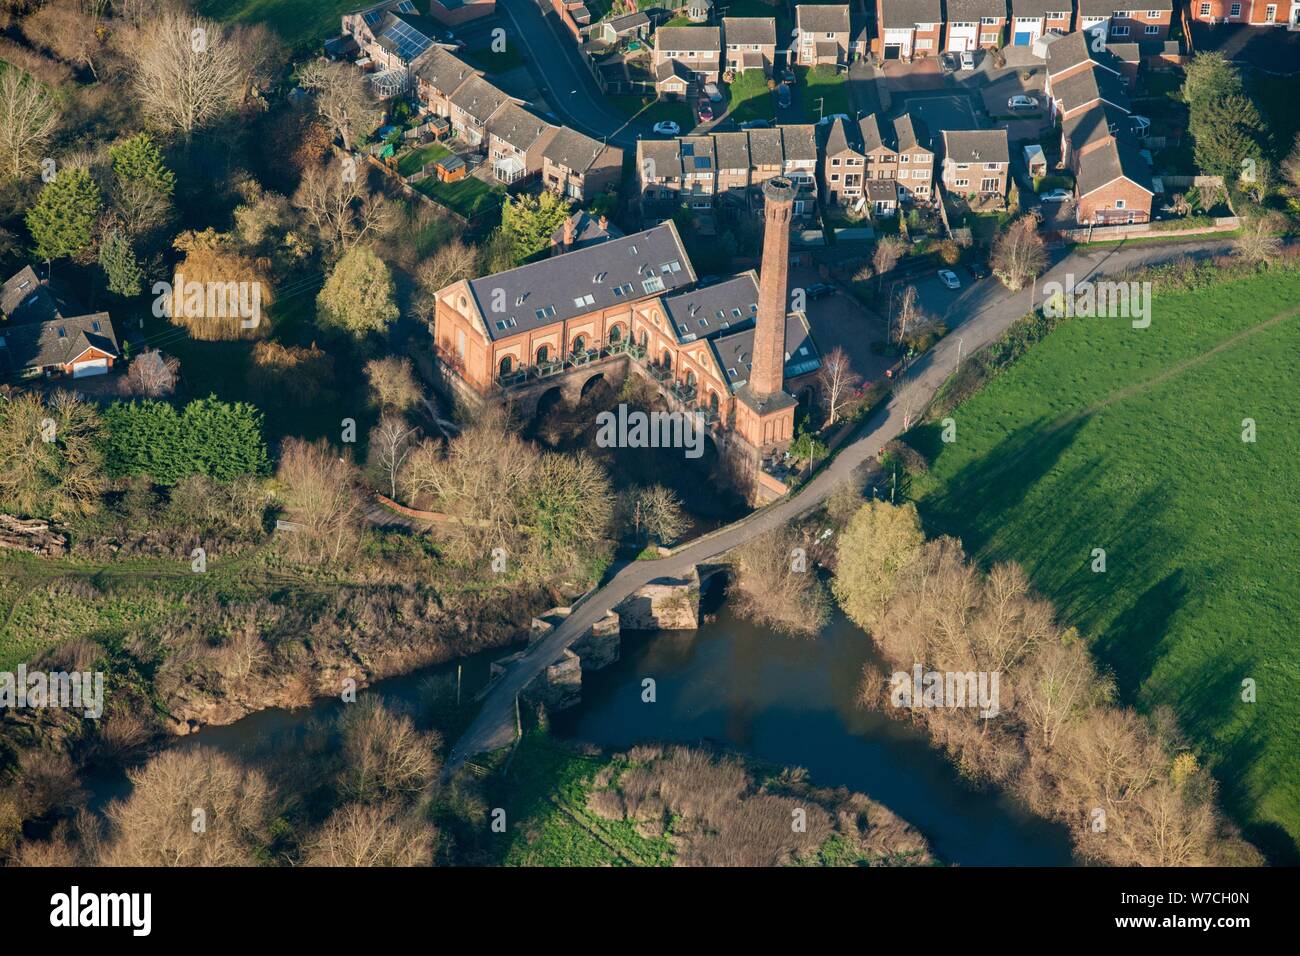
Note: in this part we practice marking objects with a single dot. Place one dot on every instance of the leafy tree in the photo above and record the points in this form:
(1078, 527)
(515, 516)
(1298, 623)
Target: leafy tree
(1225, 124)
(878, 544)
(138, 160)
(531, 221)
(62, 220)
(117, 259)
(358, 295)
(209, 437)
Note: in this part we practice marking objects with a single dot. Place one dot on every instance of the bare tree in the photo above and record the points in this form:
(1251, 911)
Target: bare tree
(28, 119)
(343, 98)
(911, 397)
(384, 755)
(652, 512)
(450, 263)
(70, 30)
(1019, 253)
(339, 207)
(187, 71)
(392, 383)
(888, 251)
(837, 381)
(1260, 238)
(390, 444)
(373, 835)
(151, 375)
(908, 309)
(776, 585)
(320, 492)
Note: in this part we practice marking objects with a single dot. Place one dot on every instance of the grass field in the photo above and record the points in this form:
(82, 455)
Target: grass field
(750, 97)
(1104, 436)
(470, 197)
(823, 91)
(296, 22)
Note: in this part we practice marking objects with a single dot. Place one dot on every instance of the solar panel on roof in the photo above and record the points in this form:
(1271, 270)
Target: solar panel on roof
(409, 42)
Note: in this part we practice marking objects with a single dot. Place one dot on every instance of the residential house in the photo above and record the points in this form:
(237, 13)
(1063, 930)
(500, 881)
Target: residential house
(699, 171)
(882, 197)
(393, 34)
(630, 26)
(516, 141)
(766, 159)
(1149, 22)
(915, 160)
(456, 12)
(859, 35)
(733, 160)
(1077, 90)
(1031, 19)
(975, 162)
(1258, 13)
(843, 165)
(438, 76)
(659, 176)
(1079, 53)
(686, 57)
(582, 229)
(909, 28)
(579, 167)
(799, 165)
(44, 334)
(879, 157)
(975, 24)
(750, 43)
(473, 104)
(821, 34)
(1114, 184)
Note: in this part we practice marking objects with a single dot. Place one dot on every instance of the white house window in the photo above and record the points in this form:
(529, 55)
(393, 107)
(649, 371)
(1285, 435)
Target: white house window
(1119, 31)
(1205, 9)
(924, 44)
(1270, 13)
(961, 183)
(989, 21)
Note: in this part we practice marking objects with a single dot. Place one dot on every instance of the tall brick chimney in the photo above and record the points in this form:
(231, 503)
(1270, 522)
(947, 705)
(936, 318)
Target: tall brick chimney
(767, 375)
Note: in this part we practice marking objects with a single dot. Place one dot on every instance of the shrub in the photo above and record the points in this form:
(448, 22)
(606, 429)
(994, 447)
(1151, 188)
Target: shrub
(209, 437)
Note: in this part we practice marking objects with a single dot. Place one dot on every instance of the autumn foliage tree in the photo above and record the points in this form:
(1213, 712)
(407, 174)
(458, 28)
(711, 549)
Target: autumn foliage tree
(1019, 253)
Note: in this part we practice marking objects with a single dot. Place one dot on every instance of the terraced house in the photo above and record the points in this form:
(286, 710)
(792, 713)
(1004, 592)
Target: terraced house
(473, 104)
(579, 167)
(975, 162)
(975, 24)
(392, 35)
(821, 34)
(1151, 22)
(516, 140)
(908, 28)
(685, 58)
(750, 42)
(1258, 13)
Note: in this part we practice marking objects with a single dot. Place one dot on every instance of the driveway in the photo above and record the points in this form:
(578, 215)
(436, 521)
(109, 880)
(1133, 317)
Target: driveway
(941, 112)
(984, 315)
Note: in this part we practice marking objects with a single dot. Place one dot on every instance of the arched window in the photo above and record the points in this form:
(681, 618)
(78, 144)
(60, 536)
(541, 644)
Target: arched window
(615, 334)
(579, 344)
(713, 401)
(645, 338)
(666, 360)
(543, 354)
(690, 379)
(507, 365)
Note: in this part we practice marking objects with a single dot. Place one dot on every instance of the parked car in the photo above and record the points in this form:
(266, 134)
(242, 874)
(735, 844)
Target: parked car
(949, 278)
(783, 97)
(1054, 195)
(827, 120)
(712, 92)
(706, 112)
(667, 128)
(1022, 102)
(968, 60)
(977, 270)
(948, 62)
(819, 289)
(755, 124)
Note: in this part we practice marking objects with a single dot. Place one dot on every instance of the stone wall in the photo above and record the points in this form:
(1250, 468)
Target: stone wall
(665, 604)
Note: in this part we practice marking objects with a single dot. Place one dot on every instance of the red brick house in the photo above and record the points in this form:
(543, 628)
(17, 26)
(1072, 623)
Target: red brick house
(975, 24)
(908, 28)
(1114, 184)
(1259, 13)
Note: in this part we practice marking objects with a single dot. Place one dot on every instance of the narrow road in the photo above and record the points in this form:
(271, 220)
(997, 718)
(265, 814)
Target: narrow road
(984, 311)
(569, 87)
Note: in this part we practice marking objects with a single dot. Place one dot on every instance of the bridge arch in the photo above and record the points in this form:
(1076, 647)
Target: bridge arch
(549, 399)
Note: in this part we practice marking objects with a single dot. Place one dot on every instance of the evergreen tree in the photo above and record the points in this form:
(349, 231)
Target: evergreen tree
(531, 221)
(138, 160)
(209, 437)
(117, 259)
(62, 220)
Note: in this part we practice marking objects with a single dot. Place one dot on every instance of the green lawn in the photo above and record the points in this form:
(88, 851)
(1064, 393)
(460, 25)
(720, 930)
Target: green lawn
(470, 197)
(650, 110)
(414, 160)
(750, 97)
(492, 62)
(297, 22)
(1104, 436)
(822, 83)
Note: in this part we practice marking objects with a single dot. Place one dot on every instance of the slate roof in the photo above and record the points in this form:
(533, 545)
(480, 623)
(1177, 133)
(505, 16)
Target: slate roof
(735, 351)
(765, 147)
(1088, 85)
(25, 298)
(869, 133)
(901, 14)
(1038, 8)
(663, 157)
(518, 127)
(976, 146)
(909, 134)
(697, 155)
(478, 98)
(56, 342)
(819, 18)
(629, 269)
(587, 231)
(1093, 125)
(749, 30)
(573, 150)
(629, 21)
(1117, 158)
(733, 150)
(882, 189)
(718, 308)
(444, 71)
(842, 138)
(799, 142)
(671, 39)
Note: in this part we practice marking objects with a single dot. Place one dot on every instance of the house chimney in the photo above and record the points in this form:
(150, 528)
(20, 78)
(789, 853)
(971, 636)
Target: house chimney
(604, 222)
(767, 375)
(568, 232)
